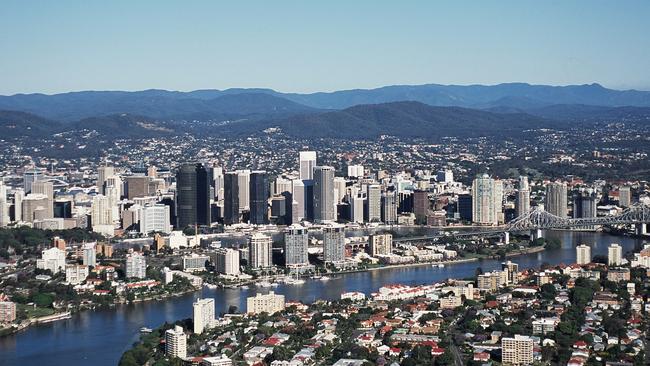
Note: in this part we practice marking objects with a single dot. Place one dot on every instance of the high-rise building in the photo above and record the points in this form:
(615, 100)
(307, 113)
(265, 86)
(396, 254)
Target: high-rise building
(203, 315)
(231, 198)
(192, 195)
(7, 312)
(243, 178)
(299, 198)
(217, 176)
(101, 214)
(176, 343)
(136, 266)
(75, 273)
(464, 207)
(307, 163)
(334, 243)
(260, 251)
(583, 254)
(137, 186)
(104, 172)
(35, 207)
(614, 255)
(389, 208)
(380, 244)
(155, 218)
(324, 203)
(52, 259)
(357, 204)
(445, 176)
(556, 199)
(89, 254)
(374, 203)
(624, 196)
(355, 171)
(513, 271)
(296, 242)
(19, 196)
(45, 188)
(487, 197)
(259, 196)
(523, 196)
(420, 205)
(269, 303)
(585, 206)
(227, 261)
(30, 177)
(517, 350)
(4, 206)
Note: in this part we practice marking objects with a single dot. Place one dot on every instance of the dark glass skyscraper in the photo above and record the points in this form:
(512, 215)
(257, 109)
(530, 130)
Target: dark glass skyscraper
(259, 195)
(230, 198)
(192, 195)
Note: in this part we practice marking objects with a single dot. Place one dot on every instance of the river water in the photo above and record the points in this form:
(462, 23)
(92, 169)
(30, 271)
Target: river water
(100, 337)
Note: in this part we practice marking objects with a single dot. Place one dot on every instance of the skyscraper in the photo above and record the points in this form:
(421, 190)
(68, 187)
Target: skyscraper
(243, 178)
(583, 254)
(4, 206)
(136, 265)
(487, 196)
(192, 195)
(217, 176)
(227, 261)
(176, 342)
(30, 177)
(259, 195)
(389, 208)
(296, 241)
(420, 205)
(230, 198)
(307, 164)
(556, 199)
(374, 203)
(523, 196)
(614, 255)
(46, 188)
(334, 243)
(259, 251)
(624, 196)
(203, 314)
(103, 173)
(324, 203)
(584, 206)
(89, 254)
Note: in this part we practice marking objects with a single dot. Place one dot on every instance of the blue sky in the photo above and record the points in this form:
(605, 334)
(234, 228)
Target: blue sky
(305, 46)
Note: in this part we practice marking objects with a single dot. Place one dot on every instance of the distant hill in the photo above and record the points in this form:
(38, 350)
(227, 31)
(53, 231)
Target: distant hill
(120, 126)
(404, 119)
(15, 124)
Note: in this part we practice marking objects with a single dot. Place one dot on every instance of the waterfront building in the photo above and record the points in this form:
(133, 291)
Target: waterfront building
(136, 266)
(269, 303)
(556, 199)
(380, 244)
(52, 259)
(195, 262)
(334, 243)
(203, 315)
(584, 206)
(517, 350)
(226, 261)
(296, 241)
(583, 254)
(487, 196)
(307, 162)
(7, 312)
(513, 271)
(324, 203)
(176, 343)
(75, 273)
(614, 255)
(192, 195)
(260, 251)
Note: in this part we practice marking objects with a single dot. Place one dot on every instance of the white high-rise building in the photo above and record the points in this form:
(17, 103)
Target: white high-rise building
(113, 190)
(243, 182)
(614, 255)
(19, 195)
(374, 203)
(269, 303)
(355, 171)
(296, 242)
(52, 259)
(260, 251)
(389, 208)
(356, 208)
(227, 261)
(583, 254)
(556, 199)
(136, 266)
(324, 203)
(340, 189)
(517, 350)
(282, 185)
(4, 206)
(101, 211)
(75, 274)
(103, 173)
(176, 342)
(298, 196)
(89, 254)
(487, 197)
(155, 218)
(217, 176)
(334, 243)
(307, 164)
(523, 196)
(203, 315)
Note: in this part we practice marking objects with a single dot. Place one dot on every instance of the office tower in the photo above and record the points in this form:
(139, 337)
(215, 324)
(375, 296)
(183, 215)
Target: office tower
(445, 176)
(227, 261)
(420, 205)
(296, 242)
(35, 207)
(52, 259)
(260, 251)
(334, 243)
(203, 315)
(89, 254)
(230, 198)
(556, 199)
(44, 187)
(513, 271)
(357, 204)
(113, 190)
(614, 255)
(155, 218)
(101, 211)
(517, 350)
(259, 195)
(136, 266)
(19, 196)
(4, 206)
(324, 204)
(63, 208)
(217, 176)
(176, 343)
(282, 185)
(269, 303)
(624, 197)
(104, 172)
(523, 196)
(75, 274)
(307, 164)
(192, 195)
(138, 186)
(279, 209)
(583, 254)
(355, 171)
(464, 207)
(389, 208)
(487, 196)
(30, 177)
(380, 244)
(243, 183)
(584, 206)
(299, 197)
(374, 203)
(309, 199)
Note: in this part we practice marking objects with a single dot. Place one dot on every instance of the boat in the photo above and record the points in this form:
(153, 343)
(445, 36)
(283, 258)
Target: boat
(295, 281)
(244, 287)
(264, 284)
(441, 265)
(211, 286)
(324, 278)
(274, 284)
(145, 330)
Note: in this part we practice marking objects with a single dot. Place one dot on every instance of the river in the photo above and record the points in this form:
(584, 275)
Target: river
(100, 337)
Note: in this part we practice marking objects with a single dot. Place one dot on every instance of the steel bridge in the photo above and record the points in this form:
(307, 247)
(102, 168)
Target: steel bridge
(537, 219)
